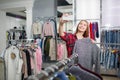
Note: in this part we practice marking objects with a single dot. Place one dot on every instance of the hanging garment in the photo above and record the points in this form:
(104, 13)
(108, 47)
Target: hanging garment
(24, 66)
(2, 69)
(82, 73)
(47, 48)
(36, 28)
(60, 52)
(28, 61)
(13, 37)
(91, 32)
(97, 29)
(38, 60)
(23, 35)
(48, 29)
(52, 50)
(13, 62)
(88, 54)
(64, 51)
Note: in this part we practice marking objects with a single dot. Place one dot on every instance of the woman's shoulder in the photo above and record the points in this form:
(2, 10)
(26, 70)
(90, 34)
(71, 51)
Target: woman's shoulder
(90, 40)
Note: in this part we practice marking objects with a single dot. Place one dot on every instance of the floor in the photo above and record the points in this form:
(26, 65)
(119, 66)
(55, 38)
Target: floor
(110, 78)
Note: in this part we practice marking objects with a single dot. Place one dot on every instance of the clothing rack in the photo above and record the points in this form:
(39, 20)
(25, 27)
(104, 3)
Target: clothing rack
(110, 43)
(88, 19)
(21, 42)
(44, 18)
(49, 18)
(50, 71)
(15, 30)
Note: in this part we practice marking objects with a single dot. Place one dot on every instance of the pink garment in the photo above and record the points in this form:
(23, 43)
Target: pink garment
(60, 52)
(38, 59)
(48, 29)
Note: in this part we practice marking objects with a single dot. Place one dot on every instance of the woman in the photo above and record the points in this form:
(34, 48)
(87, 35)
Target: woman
(80, 43)
(69, 38)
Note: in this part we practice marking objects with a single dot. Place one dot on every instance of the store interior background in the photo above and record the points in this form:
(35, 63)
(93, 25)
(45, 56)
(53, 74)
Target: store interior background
(106, 12)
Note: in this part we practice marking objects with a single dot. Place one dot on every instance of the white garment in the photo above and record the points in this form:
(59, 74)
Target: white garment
(52, 50)
(13, 63)
(2, 69)
(36, 28)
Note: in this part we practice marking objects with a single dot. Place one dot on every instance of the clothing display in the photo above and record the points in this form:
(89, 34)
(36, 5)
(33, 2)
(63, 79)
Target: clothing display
(110, 49)
(94, 30)
(64, 72)
(19, 64)
(37, 44)
(109, 56)
(15, 34)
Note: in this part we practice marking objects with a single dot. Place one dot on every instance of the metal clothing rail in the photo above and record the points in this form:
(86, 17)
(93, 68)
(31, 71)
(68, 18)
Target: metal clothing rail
(109, 44)
(51, 70)
(44, 18)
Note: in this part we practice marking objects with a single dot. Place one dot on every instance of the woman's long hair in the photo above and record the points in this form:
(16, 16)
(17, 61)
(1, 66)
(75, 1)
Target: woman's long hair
(86, 33)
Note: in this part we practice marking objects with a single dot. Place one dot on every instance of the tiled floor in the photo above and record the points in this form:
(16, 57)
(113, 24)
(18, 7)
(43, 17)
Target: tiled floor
(110, 78)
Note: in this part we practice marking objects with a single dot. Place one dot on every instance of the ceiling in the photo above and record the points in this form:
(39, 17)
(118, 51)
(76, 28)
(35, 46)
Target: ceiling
(10, 1)
(21, 11)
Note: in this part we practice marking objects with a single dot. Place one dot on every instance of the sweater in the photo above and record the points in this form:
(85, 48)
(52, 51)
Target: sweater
(88, 54)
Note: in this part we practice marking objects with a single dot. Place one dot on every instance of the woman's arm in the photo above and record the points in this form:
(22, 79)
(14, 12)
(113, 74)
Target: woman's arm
(61, 29)
(61, 25)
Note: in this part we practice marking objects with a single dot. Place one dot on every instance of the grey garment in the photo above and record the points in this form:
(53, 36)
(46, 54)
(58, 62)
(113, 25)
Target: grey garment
(88, 54)
(82, 74)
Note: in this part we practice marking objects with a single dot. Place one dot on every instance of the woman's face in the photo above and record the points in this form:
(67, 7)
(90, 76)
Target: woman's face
(82, 26)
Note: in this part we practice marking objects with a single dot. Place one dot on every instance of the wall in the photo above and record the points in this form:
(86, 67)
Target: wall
(7, 23)
(88, 10)
(111, 13)
(44, 8)
(3, 28)
(12, 22)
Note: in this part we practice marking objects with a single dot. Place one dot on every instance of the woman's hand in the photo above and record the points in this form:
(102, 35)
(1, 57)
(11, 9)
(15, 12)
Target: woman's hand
(62, 21)
(61, 27)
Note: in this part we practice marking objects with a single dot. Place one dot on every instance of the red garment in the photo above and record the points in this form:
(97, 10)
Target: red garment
(91, 31)
(70, 39)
